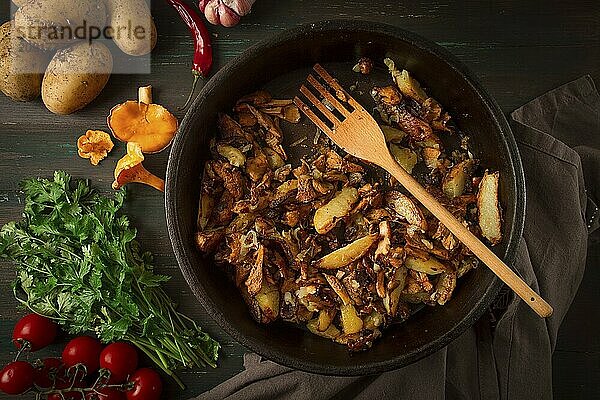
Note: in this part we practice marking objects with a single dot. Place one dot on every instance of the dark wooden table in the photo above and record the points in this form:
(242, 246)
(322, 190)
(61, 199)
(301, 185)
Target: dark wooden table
(519, 49)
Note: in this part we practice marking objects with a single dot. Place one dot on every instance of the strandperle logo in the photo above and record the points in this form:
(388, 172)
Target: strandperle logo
(52, 28)
(83, 32)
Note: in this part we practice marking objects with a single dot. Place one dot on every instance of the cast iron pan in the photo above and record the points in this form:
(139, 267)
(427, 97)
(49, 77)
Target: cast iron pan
(280, 64)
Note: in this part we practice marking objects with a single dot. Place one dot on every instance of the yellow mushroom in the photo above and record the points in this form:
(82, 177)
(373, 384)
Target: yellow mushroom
(150, 125)
(130, 169)
(94, 145)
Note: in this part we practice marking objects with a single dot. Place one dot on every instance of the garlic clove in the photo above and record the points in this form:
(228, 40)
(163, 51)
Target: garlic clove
(228, 17)
(225, 12)
(240, 7)
(211, 12)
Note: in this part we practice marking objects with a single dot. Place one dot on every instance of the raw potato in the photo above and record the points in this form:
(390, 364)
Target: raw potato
(51, 24)
(327, 216)
(21, 66)
(454, 182)
(490, 217)
(75, 77)
(347, 254)
(135, 13)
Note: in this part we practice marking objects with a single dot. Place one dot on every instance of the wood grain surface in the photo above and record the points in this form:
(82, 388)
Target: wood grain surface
(519, 49)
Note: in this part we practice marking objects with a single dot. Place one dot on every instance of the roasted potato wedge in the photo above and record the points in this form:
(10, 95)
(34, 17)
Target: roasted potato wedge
(415, 298)
(489, 212)
(407, 84)
(430, 266)
(454, 181)
(327, 216)
(351, 322)
(268, 301)
(332, 332)
(347, 254)
(325, 319)
(405, 157)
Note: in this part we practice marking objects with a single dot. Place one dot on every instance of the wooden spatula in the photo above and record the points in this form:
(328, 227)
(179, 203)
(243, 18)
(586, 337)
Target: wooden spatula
(359, 134)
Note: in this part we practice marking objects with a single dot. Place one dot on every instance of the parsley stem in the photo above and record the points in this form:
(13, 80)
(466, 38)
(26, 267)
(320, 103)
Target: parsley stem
(160, 363)
(77, 262)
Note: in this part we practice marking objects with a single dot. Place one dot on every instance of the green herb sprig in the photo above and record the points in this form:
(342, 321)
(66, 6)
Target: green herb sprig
(78, 263)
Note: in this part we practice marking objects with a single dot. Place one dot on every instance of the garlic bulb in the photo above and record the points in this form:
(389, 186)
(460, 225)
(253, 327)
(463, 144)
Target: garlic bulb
(225, 12)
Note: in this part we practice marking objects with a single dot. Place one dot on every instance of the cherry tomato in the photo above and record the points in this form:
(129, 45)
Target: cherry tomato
(83, 350)
(52, 371)
(16, 377)
(37, 330)
(121, 359)
(106, 394)
(147, 385)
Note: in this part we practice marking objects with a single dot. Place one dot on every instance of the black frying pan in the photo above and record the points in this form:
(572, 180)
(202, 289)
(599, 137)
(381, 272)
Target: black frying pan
(280, 64)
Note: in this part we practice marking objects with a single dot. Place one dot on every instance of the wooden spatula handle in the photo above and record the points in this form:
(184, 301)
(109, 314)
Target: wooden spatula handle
(531, 298)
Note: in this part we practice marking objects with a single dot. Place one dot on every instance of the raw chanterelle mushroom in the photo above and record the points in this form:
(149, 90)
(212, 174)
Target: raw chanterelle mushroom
(94, 145)
(150, 125)
(130, 169)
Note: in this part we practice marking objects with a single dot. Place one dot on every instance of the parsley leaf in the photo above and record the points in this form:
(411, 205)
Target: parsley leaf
(77, 262)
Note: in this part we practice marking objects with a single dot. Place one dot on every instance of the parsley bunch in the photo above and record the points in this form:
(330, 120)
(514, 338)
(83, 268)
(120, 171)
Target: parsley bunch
(77, 262)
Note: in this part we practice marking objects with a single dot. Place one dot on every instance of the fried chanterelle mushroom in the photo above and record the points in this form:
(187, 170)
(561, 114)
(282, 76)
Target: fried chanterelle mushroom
(325, 242)
(94, 145)
(150, 125)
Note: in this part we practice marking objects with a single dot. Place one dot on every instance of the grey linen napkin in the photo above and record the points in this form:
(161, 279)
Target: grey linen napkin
(507, 354)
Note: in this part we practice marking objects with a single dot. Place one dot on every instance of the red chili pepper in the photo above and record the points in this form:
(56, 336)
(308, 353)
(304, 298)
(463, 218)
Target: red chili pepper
(203, 58)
